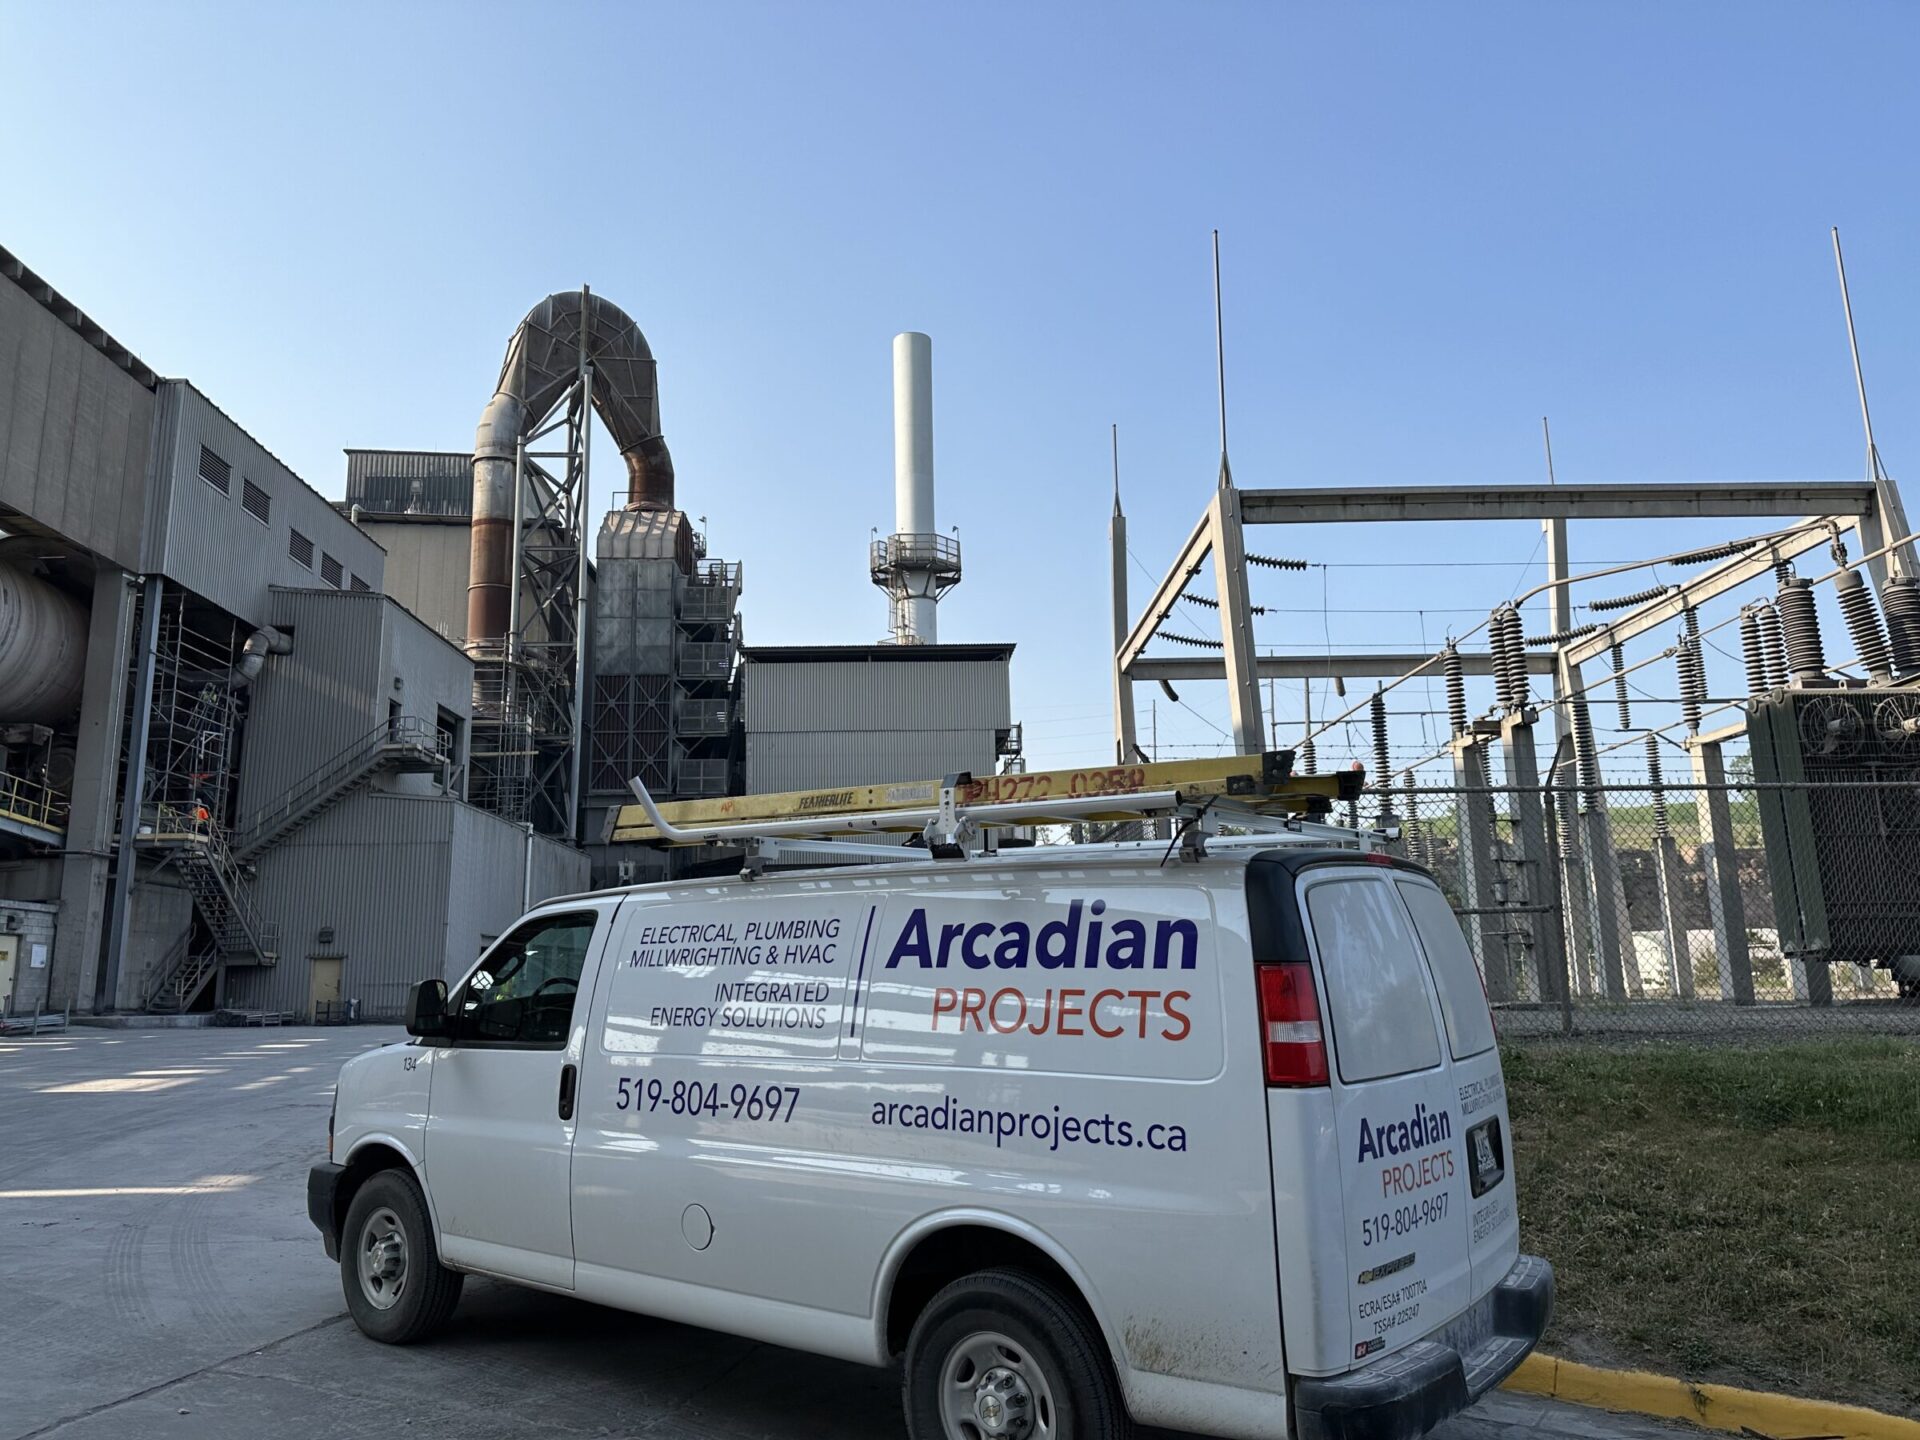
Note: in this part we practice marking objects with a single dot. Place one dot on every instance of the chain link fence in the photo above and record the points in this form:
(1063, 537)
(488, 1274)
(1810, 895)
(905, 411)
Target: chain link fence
(1731, 910)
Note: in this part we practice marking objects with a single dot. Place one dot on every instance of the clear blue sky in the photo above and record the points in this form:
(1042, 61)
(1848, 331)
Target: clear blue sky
(1440, 223)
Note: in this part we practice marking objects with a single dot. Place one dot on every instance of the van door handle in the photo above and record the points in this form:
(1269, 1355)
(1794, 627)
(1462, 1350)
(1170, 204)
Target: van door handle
(569, 1079)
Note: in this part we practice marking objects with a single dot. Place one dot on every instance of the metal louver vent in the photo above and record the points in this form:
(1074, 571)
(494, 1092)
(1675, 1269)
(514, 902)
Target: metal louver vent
(215, 471)
(356, 583)
(255, 501)
(332, 572)
(300, 548)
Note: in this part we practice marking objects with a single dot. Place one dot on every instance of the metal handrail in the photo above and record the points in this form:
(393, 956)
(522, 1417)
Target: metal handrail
(169, 965)
(233, 886)
(33, 802)
(939, 554)
(704, 658)
(707, 603)
(216, 848)
(362, 753)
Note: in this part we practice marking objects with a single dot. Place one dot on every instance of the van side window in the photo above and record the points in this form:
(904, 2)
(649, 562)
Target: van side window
(1382, 1017)
(522, 994)
(1463, 1000)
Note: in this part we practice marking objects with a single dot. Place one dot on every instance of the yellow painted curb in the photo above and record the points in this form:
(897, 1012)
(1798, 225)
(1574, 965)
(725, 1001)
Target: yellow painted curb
(1719, 1407)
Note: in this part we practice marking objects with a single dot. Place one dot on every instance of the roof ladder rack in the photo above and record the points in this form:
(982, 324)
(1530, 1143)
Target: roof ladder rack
(950, 829)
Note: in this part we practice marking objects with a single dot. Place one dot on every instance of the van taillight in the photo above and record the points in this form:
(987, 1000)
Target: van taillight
(1296, 1046)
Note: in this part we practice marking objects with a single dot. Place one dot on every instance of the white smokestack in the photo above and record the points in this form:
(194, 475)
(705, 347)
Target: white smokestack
(913, 469)
(915, 565)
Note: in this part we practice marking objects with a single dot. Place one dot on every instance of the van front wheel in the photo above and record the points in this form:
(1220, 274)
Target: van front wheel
(397, 1289)
(1002, 1355)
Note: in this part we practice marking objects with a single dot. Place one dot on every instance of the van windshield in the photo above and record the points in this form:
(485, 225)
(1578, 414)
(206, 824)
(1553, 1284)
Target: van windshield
(1463, 1000)
(1382, 1017)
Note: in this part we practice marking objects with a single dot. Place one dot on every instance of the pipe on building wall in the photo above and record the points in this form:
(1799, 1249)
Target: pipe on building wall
(253, 655)
(43, 648)
(543, 360)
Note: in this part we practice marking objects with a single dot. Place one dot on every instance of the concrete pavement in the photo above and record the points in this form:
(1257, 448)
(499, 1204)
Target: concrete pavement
(162, 1281)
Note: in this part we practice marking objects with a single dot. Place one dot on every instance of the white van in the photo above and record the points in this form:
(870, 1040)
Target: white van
(1090, 1136)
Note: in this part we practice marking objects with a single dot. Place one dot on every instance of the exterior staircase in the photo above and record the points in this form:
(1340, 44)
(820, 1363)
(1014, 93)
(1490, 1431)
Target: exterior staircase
(179, 979)
(204, 858)
(406, 745)
(237, 934)
(213, 860)
(224, 899)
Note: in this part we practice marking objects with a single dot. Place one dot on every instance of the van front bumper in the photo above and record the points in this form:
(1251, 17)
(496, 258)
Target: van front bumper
(1404, 1395)
(323, 1189)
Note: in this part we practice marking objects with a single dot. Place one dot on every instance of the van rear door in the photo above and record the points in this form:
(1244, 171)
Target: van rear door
(1398, 1128)
(1480, 1092)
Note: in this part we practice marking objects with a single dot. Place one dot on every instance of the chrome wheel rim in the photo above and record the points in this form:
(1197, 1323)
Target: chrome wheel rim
(994, 1389)
(383, 1259)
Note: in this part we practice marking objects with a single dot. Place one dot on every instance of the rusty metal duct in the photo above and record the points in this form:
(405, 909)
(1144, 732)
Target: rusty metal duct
(543, 360)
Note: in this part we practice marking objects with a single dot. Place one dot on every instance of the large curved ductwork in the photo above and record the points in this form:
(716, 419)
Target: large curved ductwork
(253, 655)
(43, 648)
(543, 359)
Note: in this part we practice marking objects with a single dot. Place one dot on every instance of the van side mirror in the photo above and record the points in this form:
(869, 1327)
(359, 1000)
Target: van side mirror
(427, 1010)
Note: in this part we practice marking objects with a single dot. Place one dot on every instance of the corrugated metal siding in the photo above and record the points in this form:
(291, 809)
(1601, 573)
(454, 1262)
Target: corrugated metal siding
(878, 695)
(427, 568)
(853, 722)
(309, 705)
(349, 649)
(375, 869)
(382, 481)
(409, 885)
(558, 870)
(793, 761)
(75, 432)
(484, 895)
(490, 860)
(208, 541)
(432, 676)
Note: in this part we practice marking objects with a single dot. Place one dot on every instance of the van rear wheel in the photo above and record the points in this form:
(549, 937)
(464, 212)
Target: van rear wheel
(397, 1289)
(1003, 1355)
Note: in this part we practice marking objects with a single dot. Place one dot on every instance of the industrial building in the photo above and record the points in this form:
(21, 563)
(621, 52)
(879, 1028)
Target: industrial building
(826, 715)
(267, 752)
(673, 695)
(235, 769)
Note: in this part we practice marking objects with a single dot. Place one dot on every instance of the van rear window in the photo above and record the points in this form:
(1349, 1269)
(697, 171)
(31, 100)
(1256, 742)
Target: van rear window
(1382, 1017)
(1463, 1000)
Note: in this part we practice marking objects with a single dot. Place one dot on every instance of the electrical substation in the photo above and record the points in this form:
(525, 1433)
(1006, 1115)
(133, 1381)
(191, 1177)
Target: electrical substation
(1743, 834)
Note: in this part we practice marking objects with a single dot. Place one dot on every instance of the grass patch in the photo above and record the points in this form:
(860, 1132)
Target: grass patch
(1744, 1214)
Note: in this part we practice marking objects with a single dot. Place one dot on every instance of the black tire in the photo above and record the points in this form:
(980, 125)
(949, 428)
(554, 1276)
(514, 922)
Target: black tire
(1051, 1337)
(414, 1303)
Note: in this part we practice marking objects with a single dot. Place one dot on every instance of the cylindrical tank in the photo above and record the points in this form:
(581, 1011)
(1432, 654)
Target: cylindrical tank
(43, 648)
(913, 460)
